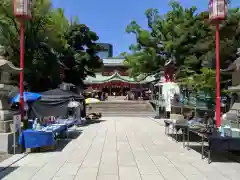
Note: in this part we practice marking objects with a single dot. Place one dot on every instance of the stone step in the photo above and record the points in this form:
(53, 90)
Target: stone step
(123, 102)
(127, 108)
(124, 114)
(121, 108)
(119, 104)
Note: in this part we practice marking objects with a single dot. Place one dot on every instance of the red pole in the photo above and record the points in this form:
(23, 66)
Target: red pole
(22, 67)
(218, 110)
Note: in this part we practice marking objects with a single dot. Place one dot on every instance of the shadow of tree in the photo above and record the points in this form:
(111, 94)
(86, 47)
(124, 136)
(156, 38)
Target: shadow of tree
(4, 171)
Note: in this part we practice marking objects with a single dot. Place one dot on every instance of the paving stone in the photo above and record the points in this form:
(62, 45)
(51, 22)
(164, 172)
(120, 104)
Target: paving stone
(147, 169)
(121, 148)
(171, 173)
(93, 161)
(69, 169)
(78, 155)
(160, 161)
(209, 171)
(87, 173)
(152, 177)
(7, 162)
(24, 173)
(108, 177)
(64, 177)
(108, 168)
(142, 156)
(48, 171)
(126, 159)
(129, 173)
(109, 157)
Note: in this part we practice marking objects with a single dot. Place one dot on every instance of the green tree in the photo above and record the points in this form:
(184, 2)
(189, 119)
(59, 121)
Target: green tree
(190, 38)
(49, 39)
(169, 36)
(80, 56)
(43, 42)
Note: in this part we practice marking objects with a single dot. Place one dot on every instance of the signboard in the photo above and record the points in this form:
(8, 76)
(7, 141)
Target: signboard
(16, 128)
(17, 122)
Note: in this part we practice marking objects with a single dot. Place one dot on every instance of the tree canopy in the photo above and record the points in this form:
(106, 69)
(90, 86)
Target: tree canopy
(50, 39)
(187, 36)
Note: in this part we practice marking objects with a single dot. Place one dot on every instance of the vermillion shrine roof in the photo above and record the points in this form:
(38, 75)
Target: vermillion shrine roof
(115, 61)
(115, 77)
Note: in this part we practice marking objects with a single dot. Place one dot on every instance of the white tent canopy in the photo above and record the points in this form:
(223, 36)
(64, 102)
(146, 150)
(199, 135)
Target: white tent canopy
(73, 104)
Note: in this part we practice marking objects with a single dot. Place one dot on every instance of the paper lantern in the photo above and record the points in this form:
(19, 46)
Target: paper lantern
(217, 10)
(22, 9)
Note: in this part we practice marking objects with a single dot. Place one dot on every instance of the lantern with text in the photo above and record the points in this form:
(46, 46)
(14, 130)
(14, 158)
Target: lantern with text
(217, 10)
(22, 9)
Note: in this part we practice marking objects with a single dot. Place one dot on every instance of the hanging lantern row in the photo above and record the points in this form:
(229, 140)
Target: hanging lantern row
(22, 9)
(217, 10)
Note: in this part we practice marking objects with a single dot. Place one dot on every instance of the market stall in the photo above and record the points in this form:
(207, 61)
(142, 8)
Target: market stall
(52, 115)
(54, 103)
(43, 137)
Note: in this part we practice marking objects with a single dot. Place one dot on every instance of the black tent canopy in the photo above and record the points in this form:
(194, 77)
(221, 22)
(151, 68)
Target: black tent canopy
(60, 94)
(54, 103)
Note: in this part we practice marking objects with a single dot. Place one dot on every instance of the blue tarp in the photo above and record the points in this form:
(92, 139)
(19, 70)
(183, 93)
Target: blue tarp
(33, 139)
(27, 96)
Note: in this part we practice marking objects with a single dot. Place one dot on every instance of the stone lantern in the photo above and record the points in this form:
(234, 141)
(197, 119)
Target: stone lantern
(7, 90)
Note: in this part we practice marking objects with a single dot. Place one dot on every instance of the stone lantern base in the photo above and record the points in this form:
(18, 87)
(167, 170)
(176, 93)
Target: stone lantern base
(7, 92)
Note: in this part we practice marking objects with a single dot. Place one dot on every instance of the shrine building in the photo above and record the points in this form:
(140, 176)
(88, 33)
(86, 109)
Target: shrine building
(113, 78)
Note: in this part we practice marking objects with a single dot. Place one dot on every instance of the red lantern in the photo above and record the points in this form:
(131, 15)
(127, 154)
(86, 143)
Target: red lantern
(22, 9)
(217, 10)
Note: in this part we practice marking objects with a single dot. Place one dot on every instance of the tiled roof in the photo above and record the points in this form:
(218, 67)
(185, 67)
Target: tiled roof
(115, 77)
(113, 61)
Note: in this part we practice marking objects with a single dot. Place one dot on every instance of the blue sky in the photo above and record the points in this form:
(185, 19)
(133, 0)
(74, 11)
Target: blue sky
(109, 18)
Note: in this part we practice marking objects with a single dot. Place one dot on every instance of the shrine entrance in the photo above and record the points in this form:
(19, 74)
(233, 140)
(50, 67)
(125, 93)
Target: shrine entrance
(117, 91)
(116, 88)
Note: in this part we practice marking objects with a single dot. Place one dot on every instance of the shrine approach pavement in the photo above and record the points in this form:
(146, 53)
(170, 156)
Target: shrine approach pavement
(119, 148)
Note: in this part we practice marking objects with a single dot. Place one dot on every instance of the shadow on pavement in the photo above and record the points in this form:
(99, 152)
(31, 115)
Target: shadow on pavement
(93, 121)
(74, 134)
(61, 142)
(195, 144)
(180, 137)
(71, 135)
(4, 171)
(222, 157)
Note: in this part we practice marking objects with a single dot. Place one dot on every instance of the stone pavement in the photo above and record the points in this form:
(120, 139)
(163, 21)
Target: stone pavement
(120, 148)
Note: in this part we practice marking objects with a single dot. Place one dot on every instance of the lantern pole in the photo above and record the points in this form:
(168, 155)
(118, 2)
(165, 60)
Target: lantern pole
(217, 14)
(22, 67)
(22, 13)
(218, 108)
